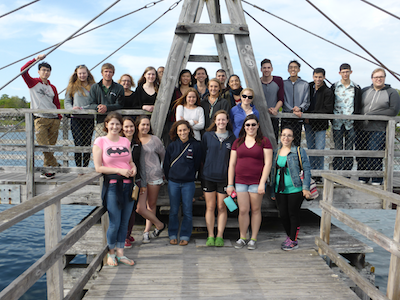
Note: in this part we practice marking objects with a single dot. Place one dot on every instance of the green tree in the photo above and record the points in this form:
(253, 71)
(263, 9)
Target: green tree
(13, 102)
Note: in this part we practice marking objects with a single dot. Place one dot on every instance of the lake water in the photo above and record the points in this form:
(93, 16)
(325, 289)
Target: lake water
(22, 244)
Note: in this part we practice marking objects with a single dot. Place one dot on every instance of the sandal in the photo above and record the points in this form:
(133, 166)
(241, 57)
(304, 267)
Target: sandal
(210, 241)
(173, 242)
(183, 243)
(129, 263)
(112, 256)
(219, 242)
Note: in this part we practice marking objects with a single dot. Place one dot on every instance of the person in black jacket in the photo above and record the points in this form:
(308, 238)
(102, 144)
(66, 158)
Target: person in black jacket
(216, 145)
(181, 163)
(321, 101)
(347, 101)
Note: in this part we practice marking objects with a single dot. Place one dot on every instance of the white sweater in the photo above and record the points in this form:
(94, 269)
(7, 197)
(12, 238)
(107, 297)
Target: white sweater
(191, 115)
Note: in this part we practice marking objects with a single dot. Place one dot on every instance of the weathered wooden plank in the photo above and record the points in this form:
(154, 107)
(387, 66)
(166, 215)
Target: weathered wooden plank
(389, 161)
(393, 286)
(19, 212)
(30, 156)
(325, 227)
(81, 282)
(250, 69)
(23, 282)
(52, 226)
(201, 28)
(350, 271)
(372, 234)
(394, 198)
(204, 58)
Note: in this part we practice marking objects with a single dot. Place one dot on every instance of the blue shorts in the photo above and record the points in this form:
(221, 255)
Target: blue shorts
(253, 188)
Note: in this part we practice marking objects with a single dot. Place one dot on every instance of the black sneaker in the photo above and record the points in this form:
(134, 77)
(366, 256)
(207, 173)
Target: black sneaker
(48, 175)
(156, 233)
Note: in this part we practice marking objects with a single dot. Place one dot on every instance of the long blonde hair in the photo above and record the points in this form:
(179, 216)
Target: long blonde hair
(75, 85)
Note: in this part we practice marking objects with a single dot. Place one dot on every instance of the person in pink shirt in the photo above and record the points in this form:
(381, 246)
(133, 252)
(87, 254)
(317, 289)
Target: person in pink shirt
(112, 157)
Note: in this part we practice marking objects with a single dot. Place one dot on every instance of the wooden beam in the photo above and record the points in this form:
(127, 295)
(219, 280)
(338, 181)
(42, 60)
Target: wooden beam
(198, 28)
(52, 227)
(250, 69)
(394, 198)
(377, 237)
(325, 229)
(23, 282)
(204, 58)
(172, 69)
(214, 13)
(30, 156)
(19, 212)
(393, 286)
(389, 160)
(350, 271)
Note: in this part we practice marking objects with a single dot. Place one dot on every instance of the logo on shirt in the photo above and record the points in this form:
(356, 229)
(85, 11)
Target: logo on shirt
(117, 151)
(228, 146)
(189, 154)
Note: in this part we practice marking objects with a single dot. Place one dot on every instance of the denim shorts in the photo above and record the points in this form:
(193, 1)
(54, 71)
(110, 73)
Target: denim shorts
(253, 188)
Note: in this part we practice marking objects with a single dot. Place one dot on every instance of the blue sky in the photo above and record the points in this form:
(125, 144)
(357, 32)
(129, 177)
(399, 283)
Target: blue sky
(48, 22)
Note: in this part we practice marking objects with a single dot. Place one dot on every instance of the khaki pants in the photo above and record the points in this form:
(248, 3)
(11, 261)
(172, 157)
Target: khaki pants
(46, 131)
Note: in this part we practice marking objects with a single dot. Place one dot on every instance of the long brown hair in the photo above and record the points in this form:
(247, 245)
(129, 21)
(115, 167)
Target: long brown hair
(242, 133)
(213, 126)
(156, 82)
(75, 85)
(182, 100)
(135, 137)
(139, 119)
(173, 132)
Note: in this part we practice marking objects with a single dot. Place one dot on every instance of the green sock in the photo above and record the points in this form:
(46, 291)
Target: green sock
(254, 240)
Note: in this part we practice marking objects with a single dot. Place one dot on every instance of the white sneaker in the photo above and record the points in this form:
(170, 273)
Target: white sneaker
(146, 238)
(252, 245)
(240, 243)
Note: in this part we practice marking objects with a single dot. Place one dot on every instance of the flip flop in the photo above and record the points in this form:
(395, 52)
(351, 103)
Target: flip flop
(183, 243)
(112, 256)
(125, 258)
(173, 242)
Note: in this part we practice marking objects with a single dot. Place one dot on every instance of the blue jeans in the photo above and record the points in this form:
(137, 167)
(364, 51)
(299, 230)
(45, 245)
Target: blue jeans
(180, 192)
(370, 140)
(119, 217)
(315, 140)
(346, 163)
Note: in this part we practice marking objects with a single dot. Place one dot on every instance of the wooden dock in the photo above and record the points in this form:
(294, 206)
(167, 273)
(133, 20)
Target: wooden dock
(163, 271)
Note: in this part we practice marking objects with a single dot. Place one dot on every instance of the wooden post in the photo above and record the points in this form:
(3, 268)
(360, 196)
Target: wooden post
(65, 125)
(393, 286)
(389, 157)
(172, 68)
(250, 69)
(52, 224)
(327, 197)
(30, 156)
(105, 222)
(214, 12)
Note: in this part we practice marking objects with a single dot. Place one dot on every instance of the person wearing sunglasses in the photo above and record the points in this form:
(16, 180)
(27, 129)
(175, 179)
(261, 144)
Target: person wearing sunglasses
(239, 112)
(249, 166)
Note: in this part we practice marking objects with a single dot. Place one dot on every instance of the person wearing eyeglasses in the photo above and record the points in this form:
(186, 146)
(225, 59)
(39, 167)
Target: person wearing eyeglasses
(239, 112)
(128, 83)
(249, 166)
(105, 96)
(377, 99)
(286, 186)
(77, 97)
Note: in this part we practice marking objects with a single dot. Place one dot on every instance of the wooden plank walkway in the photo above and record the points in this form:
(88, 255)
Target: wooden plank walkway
(163, 271)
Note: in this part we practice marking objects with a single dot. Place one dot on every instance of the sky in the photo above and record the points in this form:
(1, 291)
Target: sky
(48, 22)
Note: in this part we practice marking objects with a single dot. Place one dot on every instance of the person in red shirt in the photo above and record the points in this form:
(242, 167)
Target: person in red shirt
(249, 165)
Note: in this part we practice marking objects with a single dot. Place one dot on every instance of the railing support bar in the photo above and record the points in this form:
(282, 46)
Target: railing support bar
(389, 160)
(393, 286)
(325, 230)
(30, 156)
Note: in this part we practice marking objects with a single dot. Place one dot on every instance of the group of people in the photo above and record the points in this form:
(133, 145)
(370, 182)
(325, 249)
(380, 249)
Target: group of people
(212, 130)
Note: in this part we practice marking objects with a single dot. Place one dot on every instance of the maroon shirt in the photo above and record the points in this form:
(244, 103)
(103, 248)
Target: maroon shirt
(250, 162)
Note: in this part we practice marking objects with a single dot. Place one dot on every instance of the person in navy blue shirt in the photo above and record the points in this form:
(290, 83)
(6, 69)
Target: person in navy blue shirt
(181, 163)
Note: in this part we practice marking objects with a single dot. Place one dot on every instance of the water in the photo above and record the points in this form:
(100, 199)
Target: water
(382, 221)
(23, 244)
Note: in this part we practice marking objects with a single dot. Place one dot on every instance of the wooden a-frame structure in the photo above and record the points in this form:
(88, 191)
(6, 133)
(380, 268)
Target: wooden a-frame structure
(188, 26)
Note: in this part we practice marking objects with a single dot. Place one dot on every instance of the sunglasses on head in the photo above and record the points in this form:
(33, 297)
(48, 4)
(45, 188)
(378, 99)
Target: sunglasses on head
(245, 96)
(251, 124)
(80, 66)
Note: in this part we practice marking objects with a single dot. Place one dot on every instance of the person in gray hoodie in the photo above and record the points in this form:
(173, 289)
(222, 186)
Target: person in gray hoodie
(377, 99)
(297, 100)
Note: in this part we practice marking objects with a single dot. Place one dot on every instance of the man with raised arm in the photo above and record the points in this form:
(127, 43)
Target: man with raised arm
(377, 99)
(297, 99)
(347, 101)
(105, 96)
(44, 96)
(273, 91)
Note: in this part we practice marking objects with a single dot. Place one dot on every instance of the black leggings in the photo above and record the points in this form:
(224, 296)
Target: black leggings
(289, 208)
